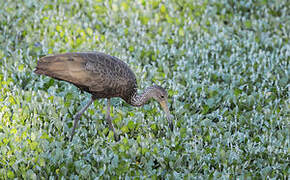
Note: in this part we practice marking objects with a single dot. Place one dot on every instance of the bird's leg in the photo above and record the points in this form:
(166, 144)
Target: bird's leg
(78, 116)
(109, 119)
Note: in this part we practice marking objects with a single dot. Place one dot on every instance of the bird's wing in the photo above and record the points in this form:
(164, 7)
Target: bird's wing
(70, 67)
(93, 72)
(111, 72)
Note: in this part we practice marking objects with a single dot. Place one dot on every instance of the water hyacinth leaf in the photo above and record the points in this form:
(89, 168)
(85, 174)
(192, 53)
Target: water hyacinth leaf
(224, 66)
(131, 125)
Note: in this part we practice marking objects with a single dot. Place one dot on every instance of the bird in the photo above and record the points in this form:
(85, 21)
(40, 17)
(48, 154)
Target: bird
(103, 76)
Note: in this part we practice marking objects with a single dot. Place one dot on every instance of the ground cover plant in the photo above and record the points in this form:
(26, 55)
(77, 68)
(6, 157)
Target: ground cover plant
(225, 65)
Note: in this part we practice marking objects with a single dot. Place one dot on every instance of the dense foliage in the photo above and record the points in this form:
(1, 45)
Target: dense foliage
(225, 65)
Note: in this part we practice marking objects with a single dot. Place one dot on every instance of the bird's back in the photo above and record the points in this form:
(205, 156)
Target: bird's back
(100, 74)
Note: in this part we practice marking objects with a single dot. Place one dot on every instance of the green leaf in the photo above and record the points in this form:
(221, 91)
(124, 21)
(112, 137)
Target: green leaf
(58, 28)
(181, 32)
(42, 162)
(10, 174)
(131, 125)
(21, 67)
(89, 31)
(153, 127)
(44, 136)
(183, 132)
(125, 129)
(248, 24)
(162, 8)
(33, 145)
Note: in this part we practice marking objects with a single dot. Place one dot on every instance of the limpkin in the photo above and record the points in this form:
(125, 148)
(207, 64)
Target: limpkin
(103, 76)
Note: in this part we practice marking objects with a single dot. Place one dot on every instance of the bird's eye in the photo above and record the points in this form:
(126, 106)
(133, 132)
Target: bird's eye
(161, 96)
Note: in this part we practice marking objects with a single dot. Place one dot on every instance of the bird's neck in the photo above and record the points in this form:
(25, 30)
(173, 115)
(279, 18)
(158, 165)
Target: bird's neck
(140, 99)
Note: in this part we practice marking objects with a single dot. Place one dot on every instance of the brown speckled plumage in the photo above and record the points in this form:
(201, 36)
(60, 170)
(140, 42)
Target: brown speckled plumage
(102, 75)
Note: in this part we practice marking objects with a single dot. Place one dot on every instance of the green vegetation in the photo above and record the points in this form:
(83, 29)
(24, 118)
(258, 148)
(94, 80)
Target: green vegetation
(225, 65)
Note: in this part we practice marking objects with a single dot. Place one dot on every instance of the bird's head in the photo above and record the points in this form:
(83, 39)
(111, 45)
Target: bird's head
(161, 96)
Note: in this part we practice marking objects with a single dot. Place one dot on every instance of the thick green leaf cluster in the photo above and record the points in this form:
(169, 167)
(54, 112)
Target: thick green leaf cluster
(224, 63)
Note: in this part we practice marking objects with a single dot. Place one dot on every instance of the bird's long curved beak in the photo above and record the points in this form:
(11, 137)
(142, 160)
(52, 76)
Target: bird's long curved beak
(168, 115)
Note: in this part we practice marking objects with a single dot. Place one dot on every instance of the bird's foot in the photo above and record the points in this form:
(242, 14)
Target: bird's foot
(111, 127)
(171, 126)
(117, 138)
